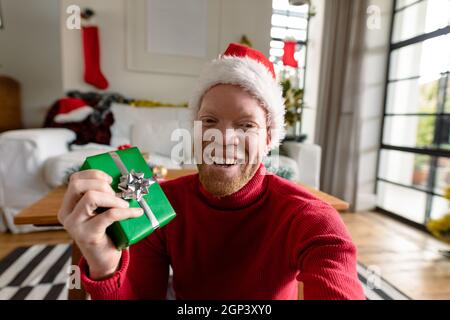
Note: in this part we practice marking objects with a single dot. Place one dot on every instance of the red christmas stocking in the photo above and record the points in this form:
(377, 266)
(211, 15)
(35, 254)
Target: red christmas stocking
(288, 57)
(91, 47)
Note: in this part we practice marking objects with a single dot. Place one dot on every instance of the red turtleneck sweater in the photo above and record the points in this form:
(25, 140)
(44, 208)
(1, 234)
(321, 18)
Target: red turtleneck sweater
(255, 244)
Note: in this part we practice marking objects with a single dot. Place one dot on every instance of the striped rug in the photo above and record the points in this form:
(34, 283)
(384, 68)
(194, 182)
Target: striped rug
(40, 272)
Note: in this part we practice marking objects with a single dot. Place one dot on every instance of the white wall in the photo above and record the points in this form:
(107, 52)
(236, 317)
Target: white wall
(30, 53)
(371, 99)
(250, 17)
(313, 70)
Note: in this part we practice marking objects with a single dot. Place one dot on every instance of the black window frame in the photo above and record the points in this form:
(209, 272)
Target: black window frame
(440, 114)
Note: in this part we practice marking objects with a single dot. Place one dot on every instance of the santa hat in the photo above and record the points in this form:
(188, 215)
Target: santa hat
(250, 69)
(72, 110)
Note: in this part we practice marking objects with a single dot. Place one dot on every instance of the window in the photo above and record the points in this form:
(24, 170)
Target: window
(290, 22)
(414, 160)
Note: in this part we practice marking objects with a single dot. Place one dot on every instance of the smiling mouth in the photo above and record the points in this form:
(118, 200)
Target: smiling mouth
(225, 163)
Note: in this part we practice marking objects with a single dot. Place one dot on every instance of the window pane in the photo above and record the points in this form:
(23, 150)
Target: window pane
(443, 136)
(421, 18)
(427, 59)
(442, 176)
(276, 52)
(280, 4)
(439, 207)
(409, 131)
(298, 23)
(299, 9)
(284, 5)
(300, 56)
(405, 168)
(299, 35)
(277, 44)
(412, 96)
(280, 20)
(279, 33)
(405, 202)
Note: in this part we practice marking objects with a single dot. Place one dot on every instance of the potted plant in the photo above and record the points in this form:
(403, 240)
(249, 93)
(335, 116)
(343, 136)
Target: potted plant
(293, 98)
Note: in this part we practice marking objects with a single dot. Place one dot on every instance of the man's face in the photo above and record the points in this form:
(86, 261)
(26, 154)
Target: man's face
(242, 122)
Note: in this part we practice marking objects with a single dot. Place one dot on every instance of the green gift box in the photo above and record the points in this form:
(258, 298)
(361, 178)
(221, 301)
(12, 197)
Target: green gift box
(132, 178)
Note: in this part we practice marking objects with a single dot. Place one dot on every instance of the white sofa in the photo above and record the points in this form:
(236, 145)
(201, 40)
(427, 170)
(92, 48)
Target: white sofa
(34, 161)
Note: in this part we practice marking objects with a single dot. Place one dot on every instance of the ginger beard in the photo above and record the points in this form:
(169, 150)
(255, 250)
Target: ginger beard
(229, 107)
(223, 180)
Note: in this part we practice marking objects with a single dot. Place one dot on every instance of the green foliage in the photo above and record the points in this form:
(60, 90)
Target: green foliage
(283, 172)
(293, 102)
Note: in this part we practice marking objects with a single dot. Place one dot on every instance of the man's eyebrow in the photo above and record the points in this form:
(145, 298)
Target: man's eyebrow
(206, 114)
(248, 116)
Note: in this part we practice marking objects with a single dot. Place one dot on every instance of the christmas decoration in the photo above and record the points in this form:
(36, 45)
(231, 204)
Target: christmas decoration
(160, 172)
(91, 48)
(134, 185)
(154, 103)
(283, 172)
(124, 146)
(72, 110)
(289, 51)
(134, 182)
(250, 69)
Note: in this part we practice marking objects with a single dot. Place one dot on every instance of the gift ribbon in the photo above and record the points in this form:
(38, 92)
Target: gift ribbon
(136, 186)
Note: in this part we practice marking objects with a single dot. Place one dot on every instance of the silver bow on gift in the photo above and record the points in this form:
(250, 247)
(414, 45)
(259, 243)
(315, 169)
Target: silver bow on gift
(134, 185)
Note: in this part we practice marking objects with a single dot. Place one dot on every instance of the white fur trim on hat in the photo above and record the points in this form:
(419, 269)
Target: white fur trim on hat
(253, 77)
(77, 115)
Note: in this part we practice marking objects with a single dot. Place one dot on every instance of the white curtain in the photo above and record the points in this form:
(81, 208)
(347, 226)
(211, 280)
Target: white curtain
(338, 125)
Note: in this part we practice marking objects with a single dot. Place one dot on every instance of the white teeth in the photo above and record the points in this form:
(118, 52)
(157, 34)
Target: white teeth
(219, 160)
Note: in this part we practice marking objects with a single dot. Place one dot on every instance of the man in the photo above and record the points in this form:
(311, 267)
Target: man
(240, 233)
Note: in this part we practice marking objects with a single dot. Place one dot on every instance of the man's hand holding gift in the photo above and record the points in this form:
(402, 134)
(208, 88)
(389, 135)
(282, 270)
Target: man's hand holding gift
(87, 192)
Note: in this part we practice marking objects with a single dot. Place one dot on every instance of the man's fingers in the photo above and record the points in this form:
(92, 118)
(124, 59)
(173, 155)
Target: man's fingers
(102, 221)
(91, 175)
(93, 200)
(81, 186)
(77, 188)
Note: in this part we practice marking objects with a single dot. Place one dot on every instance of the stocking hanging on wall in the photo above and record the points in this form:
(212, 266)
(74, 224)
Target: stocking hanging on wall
(288, 56)
(91, 49)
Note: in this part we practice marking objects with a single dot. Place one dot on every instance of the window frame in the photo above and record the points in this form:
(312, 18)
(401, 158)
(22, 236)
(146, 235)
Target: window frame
(434, 153)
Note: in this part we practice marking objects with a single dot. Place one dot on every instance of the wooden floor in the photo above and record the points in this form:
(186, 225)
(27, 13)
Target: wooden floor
(9, 242)
(407, 258)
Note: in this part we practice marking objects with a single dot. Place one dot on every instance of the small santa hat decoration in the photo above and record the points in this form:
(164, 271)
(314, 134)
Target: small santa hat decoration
(250, 69)
(72, 110)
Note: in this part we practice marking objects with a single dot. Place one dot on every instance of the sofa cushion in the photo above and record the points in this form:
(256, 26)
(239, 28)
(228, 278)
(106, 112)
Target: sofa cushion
(124, 116)
(57, 169)
(148, 128)
(156, 159)
(152, 130)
